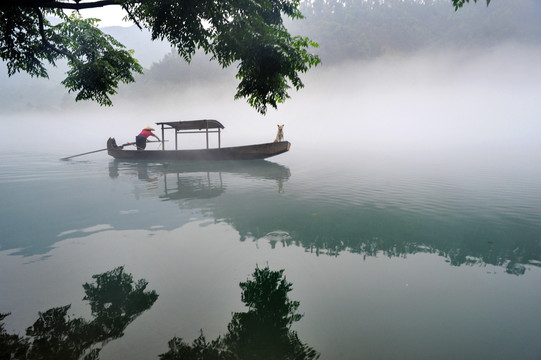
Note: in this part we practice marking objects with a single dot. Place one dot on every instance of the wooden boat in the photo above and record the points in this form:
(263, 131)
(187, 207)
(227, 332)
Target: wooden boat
(247, 152)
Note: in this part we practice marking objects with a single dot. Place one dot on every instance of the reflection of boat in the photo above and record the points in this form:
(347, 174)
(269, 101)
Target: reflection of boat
(193, 187)
(258, 169)
(204, 180)
(200, 180)
(247, 152)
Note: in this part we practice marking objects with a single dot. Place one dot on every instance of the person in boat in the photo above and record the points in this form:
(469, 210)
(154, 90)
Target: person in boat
(141, 139)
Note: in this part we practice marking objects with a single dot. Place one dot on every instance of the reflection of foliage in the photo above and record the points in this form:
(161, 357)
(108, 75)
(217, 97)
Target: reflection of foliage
(57, 336)
(11, 346)
(471, 239)
(459, 3)
(200, 349)
(115, 301)
(263, 332)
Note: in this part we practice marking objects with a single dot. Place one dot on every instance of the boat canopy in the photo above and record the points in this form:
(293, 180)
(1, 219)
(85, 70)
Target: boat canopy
(192, 127)
(193, 124)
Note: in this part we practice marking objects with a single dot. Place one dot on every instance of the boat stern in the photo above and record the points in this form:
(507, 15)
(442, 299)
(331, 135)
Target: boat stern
(112, 147)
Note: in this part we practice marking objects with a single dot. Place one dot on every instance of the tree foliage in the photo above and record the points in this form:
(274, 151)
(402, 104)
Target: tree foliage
(97, 62)
(248, 33)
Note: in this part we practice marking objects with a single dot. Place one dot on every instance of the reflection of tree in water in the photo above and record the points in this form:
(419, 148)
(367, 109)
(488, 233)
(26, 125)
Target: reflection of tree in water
(333, 228)
(11, 346)
(263, 332)
(115, 300)
(325, 226)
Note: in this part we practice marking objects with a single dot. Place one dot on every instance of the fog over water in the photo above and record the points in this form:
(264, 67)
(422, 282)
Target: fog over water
(443, 104)
(406, 213)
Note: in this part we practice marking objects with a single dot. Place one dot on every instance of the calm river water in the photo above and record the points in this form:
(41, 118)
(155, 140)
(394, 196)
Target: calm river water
(390, 258)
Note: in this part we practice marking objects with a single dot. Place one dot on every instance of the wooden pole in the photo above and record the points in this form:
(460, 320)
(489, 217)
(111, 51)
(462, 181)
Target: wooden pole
(86, 153)
(163, 138)
(95, 151)
(207, 123)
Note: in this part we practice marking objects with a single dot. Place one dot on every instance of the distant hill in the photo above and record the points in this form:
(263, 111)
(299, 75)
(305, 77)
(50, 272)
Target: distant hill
(353, 29)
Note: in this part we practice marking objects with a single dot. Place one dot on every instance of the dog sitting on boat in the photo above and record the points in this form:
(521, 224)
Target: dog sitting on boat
(280, 134)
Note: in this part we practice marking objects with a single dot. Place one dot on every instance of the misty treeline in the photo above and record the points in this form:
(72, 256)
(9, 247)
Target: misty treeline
(353, 29)
(349, 30)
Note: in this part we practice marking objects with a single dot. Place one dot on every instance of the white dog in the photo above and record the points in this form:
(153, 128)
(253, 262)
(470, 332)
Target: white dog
(280, 135)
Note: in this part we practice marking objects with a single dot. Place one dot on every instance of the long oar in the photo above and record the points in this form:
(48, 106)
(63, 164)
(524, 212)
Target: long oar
(95, 151)
(90, 152)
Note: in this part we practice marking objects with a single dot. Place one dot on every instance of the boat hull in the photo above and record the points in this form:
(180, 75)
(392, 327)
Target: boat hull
(248, 152)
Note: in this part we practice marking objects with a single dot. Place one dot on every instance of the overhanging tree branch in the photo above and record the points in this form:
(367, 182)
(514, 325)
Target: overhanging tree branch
(46, 42)
(53, 4)
(132, 17)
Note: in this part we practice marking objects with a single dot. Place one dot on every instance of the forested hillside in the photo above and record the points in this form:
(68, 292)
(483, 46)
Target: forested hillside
(360, 29)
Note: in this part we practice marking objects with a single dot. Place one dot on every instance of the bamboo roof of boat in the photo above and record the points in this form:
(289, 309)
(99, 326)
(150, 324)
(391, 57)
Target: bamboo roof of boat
(206, 126)
(193, 124)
